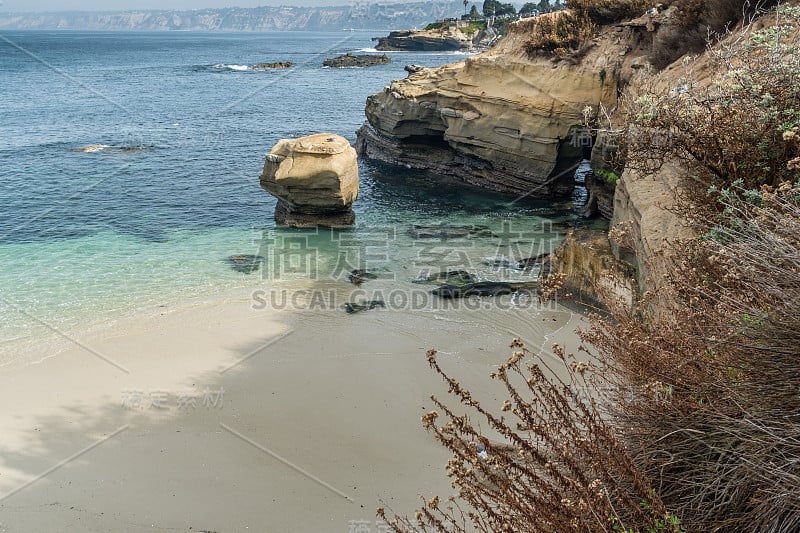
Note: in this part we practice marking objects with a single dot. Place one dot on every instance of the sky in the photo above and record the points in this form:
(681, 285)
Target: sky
(119, 5)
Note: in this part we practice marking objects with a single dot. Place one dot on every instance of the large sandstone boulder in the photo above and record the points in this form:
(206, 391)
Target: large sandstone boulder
(315, 179)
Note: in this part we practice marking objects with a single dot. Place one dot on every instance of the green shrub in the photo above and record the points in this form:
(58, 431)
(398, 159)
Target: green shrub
(473, 27)
(609, 176)
(436, 26)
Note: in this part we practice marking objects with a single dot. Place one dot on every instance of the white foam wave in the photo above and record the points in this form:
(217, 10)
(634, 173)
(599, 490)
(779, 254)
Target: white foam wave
(92, 148)
(231, 67)
(368, 50)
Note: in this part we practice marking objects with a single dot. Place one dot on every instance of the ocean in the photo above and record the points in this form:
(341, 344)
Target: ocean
(150, 217)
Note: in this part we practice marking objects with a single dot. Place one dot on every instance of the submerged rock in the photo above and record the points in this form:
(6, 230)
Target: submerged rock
(245, 263)
(522, 264)
(364, 305)
(315, 179)
(485, 288)
(92, 148)
(361, 60)
(448, 231)
(452, 277)
(358, 276)
(530, 262)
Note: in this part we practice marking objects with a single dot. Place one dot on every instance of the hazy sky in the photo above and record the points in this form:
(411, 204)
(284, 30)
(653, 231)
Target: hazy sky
(100, 5)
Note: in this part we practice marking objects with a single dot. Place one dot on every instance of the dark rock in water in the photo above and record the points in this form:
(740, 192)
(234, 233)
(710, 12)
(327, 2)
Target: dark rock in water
(413, 69)
(563, 226)
(279, 64)
(484, 288)
(245, 263)
(364, 305)
(361, 60)
(452, 277)
(448, 231)
(357, 277)
(501, 263)
(530, 262)
(286, 216)
(522, 264)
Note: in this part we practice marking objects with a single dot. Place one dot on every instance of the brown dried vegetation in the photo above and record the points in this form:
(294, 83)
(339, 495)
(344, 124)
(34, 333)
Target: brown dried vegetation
(683, 417)
(738, 127)
(561, 34)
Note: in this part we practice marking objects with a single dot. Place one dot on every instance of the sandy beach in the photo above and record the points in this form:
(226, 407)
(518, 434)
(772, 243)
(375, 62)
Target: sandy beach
(215, 416)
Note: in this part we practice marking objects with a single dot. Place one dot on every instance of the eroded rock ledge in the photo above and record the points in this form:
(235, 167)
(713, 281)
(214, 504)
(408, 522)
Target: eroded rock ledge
(349, 60)
(499, 120)
(424, 41)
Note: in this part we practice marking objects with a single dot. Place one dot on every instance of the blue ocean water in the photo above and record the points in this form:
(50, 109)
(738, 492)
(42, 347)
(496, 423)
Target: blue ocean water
(182, 125)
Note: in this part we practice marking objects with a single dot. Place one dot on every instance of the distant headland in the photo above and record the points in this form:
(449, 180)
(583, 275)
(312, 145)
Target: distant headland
(357, 16)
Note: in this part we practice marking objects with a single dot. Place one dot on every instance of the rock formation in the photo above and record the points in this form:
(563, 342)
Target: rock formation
(587, 272)
(315, 179)
(436, 40)
(500, 120)
(413, 69)
(277, 65)
(361, 60)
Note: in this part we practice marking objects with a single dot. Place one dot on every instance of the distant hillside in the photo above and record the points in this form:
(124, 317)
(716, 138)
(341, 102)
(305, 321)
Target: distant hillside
(359, 15)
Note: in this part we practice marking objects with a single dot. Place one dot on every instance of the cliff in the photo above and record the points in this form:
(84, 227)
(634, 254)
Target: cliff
(501, 120)
(512, 122)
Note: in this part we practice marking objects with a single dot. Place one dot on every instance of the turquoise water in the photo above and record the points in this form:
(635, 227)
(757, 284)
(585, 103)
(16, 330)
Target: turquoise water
(151, 218)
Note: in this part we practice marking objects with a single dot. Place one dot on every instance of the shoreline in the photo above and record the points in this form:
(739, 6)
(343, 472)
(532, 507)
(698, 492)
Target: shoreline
(294, 420)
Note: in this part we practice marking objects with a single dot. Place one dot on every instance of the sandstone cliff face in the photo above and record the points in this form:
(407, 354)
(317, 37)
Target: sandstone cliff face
(644, 225)
(643, 222)
(498, 120)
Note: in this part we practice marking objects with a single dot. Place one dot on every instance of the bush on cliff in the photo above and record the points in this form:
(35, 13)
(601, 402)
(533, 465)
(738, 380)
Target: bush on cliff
(712, 417)
(568, 33)
(740, 126)
(607, 11)
(554, 464)
(561, 34)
